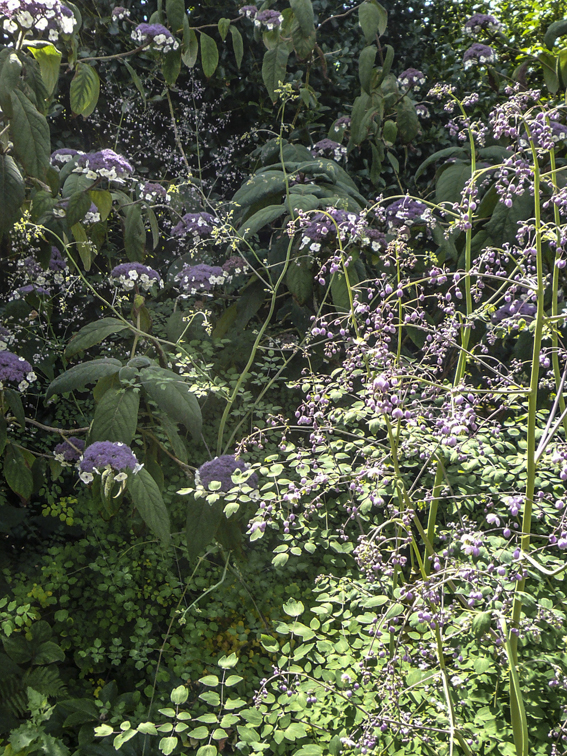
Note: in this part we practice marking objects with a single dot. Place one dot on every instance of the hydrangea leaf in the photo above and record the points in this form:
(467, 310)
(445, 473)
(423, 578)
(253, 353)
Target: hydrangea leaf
(209, 55)
(451, 182)
(259, 187)
(15, 403)
(85, 90)
(18, 475)
(116, 416)
(237, 45)
(407, 120)
(12, 192)
(93, 333)
(10, 70)
(171, 66)
(299, 279)
(175, 11)
(203, 520)
(80, 375)
(172, 395)
(190, 45)
(134, 234)
(373, 19)
(103, 201)
(274, 68)
(261, 218)
(49, 59)
(29, 131)
(77, 207)
(303, 12)
(366, 62)
(148, 500)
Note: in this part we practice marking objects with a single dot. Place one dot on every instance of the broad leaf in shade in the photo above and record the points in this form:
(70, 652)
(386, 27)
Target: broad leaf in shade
(147, 499)
(12, 192)
(203, 520)
(85, 90)
(172, 395)
(49, 59)
(17, 474)
(81, 375)
(116, 416)
(93, 333)
(274, 68)
(29, 132)
(209, 55)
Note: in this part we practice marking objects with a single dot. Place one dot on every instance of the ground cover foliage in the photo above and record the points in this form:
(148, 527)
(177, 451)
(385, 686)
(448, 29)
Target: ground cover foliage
(282, 367)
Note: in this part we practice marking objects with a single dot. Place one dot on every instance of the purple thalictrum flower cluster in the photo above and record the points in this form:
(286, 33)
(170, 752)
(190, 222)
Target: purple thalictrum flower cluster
(37, 16)
(129, 275)
(220, 470)
(107, 456)
(156, 35)
(103, 164)
(412, 79)
(478, 54)
(15, 370)
(200, 279)
(200, 225)
(482, 22)
(69, 451)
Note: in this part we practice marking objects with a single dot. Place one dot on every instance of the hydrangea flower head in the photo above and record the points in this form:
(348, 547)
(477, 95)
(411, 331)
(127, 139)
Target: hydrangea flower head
(69, 451)
(128, 275)
(422, 111)
(326, 146)
(482, 22)
(200, 279)
(56, 262)
(156, 35)
(323, 228)
(271, 19)
(407, 212)
(233, 267)
(24, 291)
(92, 215)
(63, 155)
(103, 164)
(478, 54)
(411, 78)
(154, 193)
(220, 470)
(119, 13)
(15, 370)
(37, 16)
(107, 456)
(249, 11)
(198, 224)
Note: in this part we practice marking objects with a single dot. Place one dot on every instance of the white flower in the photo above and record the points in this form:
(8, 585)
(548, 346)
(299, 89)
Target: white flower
(86, 477)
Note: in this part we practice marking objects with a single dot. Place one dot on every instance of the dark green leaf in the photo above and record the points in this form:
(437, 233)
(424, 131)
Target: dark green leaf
(451, 182)
(366, 67)
(30, 133)
(209, 55)
(48, 653)
(481, 623)
(299, 279)
(116, 416)
(85, 90)
(448, 152)
(3, 433)
(172, 395)
(77, 207)
(15, 404)
(134, 234)
(103, 201)
(303, 12)
(261, 218)
(12, 192)
(358, 125)
(171, 66)
(137, 81)
(190, 45)
(259, 186)
(555, 30)
(274, 68)
(373, 20)
(93, 333)
(49, 59)
(147, 499)
(18, 475)
(550, 65)
(340, 289)
(80, 375)
(407, 120)
(10, 71)
(203, 520)
(175, 10)
(237, 45)
(224, 26)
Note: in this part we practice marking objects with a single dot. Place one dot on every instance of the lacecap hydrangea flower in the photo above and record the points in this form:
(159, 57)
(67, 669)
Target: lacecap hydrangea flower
(37, 16)
(63, 155)
(271, 19)
(233, 267)
(103, 164)
(156, 35)
(69, 451)
(200, 279)
(407, 212)
(323, 228)
(15, 370)
(478, 54)
(154, 193)
(326, 146)
(220, 470)
(482, 22)
(119, 13)
(198, 224)
(129, 275)
(411, 78)
(108, 456)
(249, 11)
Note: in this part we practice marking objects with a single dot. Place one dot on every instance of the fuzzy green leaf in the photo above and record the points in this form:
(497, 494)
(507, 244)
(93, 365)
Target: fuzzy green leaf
(172, 395)
(134, 234)
(30, 134)
(12, 192)
(209, 55)
(148, 500)
(274, 68)
(366, 67)
(237, 45)
(190, 45)
(18, 475)
(85, 90)
(80, 375)
(373, 19)
(93, 333)
(49, 59)
(116, 416)
(175, 11)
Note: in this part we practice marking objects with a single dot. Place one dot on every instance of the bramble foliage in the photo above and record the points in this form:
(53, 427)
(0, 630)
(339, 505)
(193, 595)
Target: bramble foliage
(282, 370)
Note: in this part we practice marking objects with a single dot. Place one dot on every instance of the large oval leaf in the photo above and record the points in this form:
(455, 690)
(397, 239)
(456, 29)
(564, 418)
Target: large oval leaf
(80, 375)
(12, 192)
(172, 395)
(209, 55)
(116, 416)
(147, 499)
(18, 475)
(93, 333)
(30, 134)
(273, 69)
(85, 90)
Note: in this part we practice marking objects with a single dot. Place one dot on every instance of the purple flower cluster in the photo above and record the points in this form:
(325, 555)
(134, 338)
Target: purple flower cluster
(92, 215)
(119, 13)
(271, 19)
(28, 289)
(233, 267)
(103, 164)
(326, 146)
(478, 54)
(422, 111)
(63, 155)
(70, 450)
(411, 78)
(407, 212)
(15, 370)
(198, 224)
(249, 11)
(200, 279)
(129, 275)
(156, 35)
(323, 227)
(482, 22)
(154, 193)
(220, 470)
(374, 239)
(107, 455)
(544, 133)
(37, 16)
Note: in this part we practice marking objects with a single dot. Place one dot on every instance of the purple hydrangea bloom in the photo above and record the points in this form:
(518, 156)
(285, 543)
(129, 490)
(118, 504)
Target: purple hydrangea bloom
(220, 470)
(119, 13)
(70, 450)
(411, 78)
(92, 215)
(323, 228)
(478, 54)
(325, 146)
(406, 212)
(132, 274)
(6, 337)
(107, 455)
(422, 111)
(37, 16)
(200, 279)
(375, 239)
(154, 192)
(271, 19)
(64, 155)
(156, 35)
(249, 11)
(23, 291)
(57, 263)
(234, 266)
(516, 309)
(14, 369)
(198, 224)
(482, 22)
(104, 164)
